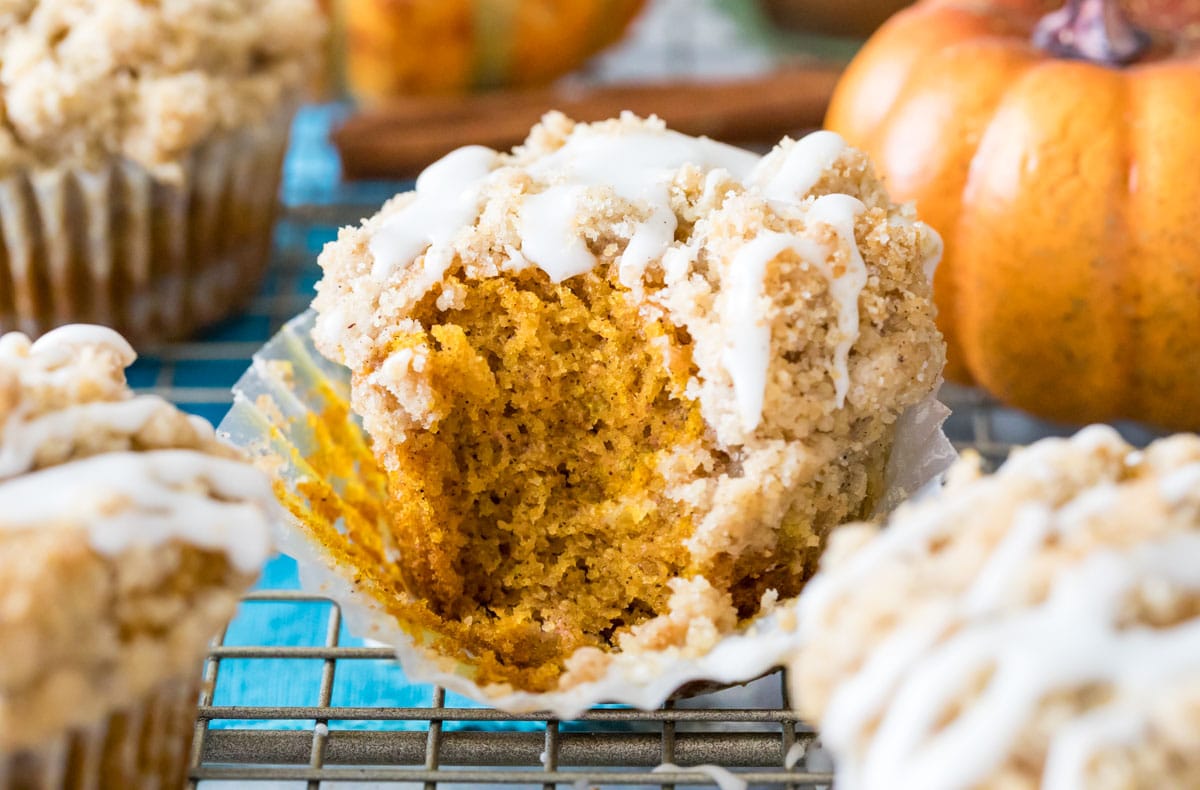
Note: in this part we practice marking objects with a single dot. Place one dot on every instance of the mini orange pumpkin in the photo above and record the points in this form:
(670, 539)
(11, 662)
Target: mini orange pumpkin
(397, 47)
(1056, 154)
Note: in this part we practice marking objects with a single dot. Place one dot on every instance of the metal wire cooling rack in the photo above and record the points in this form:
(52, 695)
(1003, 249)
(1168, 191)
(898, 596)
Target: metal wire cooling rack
(589, 751)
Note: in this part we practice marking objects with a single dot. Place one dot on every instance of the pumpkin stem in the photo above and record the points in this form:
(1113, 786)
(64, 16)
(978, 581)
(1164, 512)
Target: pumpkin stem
(1093, 30)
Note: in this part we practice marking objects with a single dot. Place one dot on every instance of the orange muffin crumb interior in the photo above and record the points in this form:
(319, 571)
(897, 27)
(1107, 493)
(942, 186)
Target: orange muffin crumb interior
(533, 507)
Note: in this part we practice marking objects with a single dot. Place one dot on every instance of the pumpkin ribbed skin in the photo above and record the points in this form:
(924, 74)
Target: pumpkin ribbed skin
(396, 47)
(1065, 192)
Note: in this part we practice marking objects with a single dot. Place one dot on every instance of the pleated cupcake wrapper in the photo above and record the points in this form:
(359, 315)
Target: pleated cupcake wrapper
(290, 388)
(143, 747)
(154, 254)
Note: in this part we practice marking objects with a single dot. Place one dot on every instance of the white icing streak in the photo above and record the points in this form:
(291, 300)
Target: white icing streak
(803, 165)
(1073, 638)
(746, 357)
(20, 439)
(446, 200)
(839, 212)
(61, 342)
(119, 499)
(636, 166)
(722, 777)
(129, 499)
(548, 236)
(1178, 485)
(1029, 529)
(748, 353)
(57, 346)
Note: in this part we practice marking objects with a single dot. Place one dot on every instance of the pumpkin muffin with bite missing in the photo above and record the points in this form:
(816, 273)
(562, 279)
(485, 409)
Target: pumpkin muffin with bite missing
(623, 382)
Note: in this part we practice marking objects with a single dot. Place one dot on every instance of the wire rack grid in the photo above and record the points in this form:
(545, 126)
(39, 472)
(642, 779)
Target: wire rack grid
(605, 747)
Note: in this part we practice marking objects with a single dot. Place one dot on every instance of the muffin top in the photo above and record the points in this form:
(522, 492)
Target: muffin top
(85, 79)
(801, 290)
(1039, 627)
(126, 533)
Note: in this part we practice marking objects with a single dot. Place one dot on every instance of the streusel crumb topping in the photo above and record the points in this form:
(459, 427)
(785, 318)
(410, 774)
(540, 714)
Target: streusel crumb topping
(85, 79)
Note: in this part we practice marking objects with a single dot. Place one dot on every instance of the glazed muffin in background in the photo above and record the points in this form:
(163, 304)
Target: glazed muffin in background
(140, 156)
(622, 383)
(127, 533)
(1039, 627)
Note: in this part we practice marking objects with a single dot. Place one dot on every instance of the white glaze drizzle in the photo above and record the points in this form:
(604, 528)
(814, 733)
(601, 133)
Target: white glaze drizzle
(910, 537)
(1078, 741)
(60, 346)
(51, 360)
(446, 200)
(58, 343)
(132, 499)
(21, 439)
(1073, 638)
(803, 165)
(562, 253)
(748, 352)
(860, 697)
(638, 166)
(1030, 526)
(1180, 484)
(723, 778)
(13, 344)
(1070, 640)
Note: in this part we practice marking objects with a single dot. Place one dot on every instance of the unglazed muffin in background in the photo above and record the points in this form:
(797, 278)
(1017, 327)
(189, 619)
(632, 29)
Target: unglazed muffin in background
(1039, 627)
(621, 382)
(127, 533)
(140, 156)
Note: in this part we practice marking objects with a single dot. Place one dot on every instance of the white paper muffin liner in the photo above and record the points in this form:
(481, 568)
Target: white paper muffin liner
(290, 385)
(153, 254)
(145, 746)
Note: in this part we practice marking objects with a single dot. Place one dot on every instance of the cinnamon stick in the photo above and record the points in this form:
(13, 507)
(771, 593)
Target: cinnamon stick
(399, 138)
